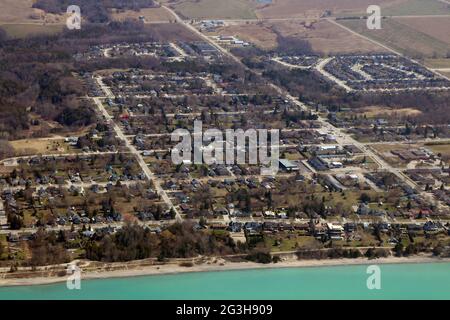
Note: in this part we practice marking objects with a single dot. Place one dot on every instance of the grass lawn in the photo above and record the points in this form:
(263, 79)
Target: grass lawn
(349, 198)
(291, 241)
(366, 240)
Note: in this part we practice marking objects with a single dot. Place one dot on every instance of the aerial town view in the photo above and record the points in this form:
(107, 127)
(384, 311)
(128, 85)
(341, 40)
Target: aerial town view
(210, 149)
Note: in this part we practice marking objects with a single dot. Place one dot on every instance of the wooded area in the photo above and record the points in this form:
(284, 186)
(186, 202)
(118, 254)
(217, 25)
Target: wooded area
(36, 75)
(92, 10)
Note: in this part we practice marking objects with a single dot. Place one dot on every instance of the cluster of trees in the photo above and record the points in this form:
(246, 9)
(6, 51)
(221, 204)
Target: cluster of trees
(15, 221)
(36, 74)
(292, 46)
(48, 248)
(441, 251)
(76, 116)
(94, 10)
(375, 253)
(108, 139)
(178, 241)
(411, 249)
(259, 199)
(333, 253)
(338, 253)
(30, 85)
(297, 116)
(310, 86)
(6, 150)
(260, 256)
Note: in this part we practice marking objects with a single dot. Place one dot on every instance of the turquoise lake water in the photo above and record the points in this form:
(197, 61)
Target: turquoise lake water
(398, 281)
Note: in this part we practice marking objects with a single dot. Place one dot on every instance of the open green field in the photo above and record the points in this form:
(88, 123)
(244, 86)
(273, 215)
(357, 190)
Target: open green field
(402, 38)
(213, 9)
(23, 30)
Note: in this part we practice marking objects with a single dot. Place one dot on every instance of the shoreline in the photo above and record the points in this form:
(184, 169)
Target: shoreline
(173, 268)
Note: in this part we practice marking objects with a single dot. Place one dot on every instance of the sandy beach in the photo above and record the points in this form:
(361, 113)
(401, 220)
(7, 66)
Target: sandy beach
(217, 265)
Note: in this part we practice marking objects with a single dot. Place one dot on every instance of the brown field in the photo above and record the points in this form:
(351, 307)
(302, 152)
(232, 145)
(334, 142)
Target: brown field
(150, 14)
(436, 27)
(39, 146)
(323, 36)
(248, 9)
(13, 11)
(417, 7)
(385, 151)
(311, 8)
(214, 9)
(21, 11)
(399, 36)
(171, 32)
(443, 149)
(260, 34)
(23, 30)
(438, 63)
(376, 111)
(326, 38)
(20, 20)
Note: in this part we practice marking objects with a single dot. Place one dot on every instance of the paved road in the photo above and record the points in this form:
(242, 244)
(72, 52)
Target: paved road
(149, 174)
(245, 21)
(338, 132)
(333, 21)
(204, 37)
(291, 66)
(320, 68)
(441, 69)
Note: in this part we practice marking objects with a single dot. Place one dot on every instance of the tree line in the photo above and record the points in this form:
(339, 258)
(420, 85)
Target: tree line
(37, 75)
(309, 86)
(181, 240)
(96, 11)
